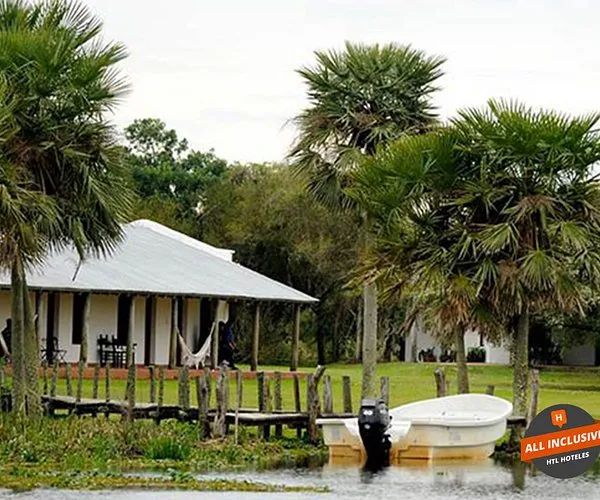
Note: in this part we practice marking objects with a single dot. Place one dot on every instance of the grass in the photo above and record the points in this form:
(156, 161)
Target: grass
(87, 453)
(408, 382)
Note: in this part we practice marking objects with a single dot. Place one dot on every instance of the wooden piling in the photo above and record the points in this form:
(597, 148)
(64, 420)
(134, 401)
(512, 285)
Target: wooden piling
(347, 393)
(327, 395)
(260, 389)
(490, 390)
(313, 404)
(107, 387)
(278, 403)
(297, 403)
(68, 375)
(238, 402)
(440, 382)
(202, 397)
(222, 396)
(152, 376)
(535, 389)
(80, 367)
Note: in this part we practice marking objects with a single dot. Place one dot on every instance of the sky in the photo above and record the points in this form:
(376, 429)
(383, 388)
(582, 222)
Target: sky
(222, 72)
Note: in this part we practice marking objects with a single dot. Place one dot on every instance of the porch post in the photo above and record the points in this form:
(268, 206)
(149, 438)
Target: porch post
(295, 338)
(214, 348)
(130, 329)
(85, 329)
(174, 331)
(255, 337)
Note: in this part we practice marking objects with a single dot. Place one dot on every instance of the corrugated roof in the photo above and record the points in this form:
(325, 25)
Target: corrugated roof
(157, 260)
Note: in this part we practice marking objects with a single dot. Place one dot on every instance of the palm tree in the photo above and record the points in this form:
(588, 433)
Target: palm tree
(419, 257)
(62, 182)
(512, 191)
(539, 245)
(360, 99)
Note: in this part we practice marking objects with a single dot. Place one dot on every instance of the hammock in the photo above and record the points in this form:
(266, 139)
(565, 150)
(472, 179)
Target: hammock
(196, 359)
(3, 347)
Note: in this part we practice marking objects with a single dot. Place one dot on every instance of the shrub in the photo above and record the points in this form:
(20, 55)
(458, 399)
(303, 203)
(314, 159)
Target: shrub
(166, 448)
(476, 355)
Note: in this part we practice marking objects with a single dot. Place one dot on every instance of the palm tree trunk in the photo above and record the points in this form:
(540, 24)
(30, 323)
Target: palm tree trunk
(359, 327)
(19, 380)
(462, 371)
(32, 355)
(520, 364)
(369, 354)
(83, 347)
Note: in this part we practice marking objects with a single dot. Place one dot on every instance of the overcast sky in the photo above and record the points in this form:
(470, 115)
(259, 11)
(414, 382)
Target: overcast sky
(222, 74)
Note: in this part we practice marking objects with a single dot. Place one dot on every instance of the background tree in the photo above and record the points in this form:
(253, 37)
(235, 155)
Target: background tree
(276, 228)
(61, 176)
(360, 98)
(169, 178)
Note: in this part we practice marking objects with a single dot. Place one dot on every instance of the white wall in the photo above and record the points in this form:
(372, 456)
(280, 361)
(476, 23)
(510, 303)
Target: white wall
(162, 331)
(103, 321)
(139, 311)
(581, 355)
(192, 323)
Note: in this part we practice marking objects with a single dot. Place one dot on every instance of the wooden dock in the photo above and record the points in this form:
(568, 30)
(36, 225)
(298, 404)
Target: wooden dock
(228, 412)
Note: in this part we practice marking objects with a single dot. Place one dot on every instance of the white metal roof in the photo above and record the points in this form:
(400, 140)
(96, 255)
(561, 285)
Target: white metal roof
(153, 259)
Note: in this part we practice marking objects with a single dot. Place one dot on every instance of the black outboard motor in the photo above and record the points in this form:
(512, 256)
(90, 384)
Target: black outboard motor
(373, 424)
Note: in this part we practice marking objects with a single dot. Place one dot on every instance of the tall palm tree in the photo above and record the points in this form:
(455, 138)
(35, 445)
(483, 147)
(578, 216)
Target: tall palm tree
(59, 160)
(419, 256)
(360, 99)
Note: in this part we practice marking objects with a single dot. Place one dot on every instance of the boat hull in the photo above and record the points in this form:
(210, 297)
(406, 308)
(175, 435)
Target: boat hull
(426, 438)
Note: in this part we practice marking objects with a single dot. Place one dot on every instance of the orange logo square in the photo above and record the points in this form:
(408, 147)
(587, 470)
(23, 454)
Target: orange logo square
(559, 418)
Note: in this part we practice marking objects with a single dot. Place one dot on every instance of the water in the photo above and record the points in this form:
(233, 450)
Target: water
(416, 481)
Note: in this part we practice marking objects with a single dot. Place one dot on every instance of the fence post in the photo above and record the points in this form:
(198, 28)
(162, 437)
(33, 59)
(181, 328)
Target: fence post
(68, 374)
(44, 371)
(161, 392)
(327, 395)
(80, 366)
(96, 381)
(107, 387)
(440, 382)
(260, 388)
(347, 388)
(222, 395)
(203, 396)
(278, 405)
(238, 401)
(131, 379)
(297, 403)
(152, 376)
(385, 390)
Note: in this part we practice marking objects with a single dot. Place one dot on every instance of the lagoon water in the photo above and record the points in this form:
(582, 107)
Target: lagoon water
(427, 481)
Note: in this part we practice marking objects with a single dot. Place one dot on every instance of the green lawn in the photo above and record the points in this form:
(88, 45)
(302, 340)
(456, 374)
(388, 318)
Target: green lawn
(408, 382)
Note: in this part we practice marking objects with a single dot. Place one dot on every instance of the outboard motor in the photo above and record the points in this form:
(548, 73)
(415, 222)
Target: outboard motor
(373, 424)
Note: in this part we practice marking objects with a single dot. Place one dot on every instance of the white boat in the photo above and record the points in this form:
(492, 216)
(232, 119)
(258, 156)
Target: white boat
(460, 426)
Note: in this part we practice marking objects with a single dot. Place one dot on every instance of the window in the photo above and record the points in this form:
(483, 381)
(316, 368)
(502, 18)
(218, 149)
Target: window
(78, 318)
